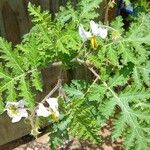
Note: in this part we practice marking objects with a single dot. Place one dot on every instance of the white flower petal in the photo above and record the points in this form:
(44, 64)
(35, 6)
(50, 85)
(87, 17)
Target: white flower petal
(84, 35)
(97, 30)
(16, 119)
(88, 35)
(102, 33)
(21, 103)
(94, 27)
(42, 111)
(53, 103)
(8, 104)
(23, 113)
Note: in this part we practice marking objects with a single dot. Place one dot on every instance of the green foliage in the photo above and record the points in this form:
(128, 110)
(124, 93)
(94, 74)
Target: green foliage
(20, 72)
(83, 126)
(127, 2)
(87, 11)
(80, 121)
(121, 90)
(142, 74)
(81, 13)
(38, 17)
(76, 89)
(59, 133)
(14, 74)
(143, 5)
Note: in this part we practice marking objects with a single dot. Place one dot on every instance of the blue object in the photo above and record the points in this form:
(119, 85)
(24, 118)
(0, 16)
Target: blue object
(128, 9)
(121, 7)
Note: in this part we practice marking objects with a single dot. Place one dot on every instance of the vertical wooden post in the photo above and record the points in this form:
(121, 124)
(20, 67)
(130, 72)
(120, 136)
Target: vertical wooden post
(12, 30)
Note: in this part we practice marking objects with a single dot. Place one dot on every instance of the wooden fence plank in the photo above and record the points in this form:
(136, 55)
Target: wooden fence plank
(12, 30)
(10, 131)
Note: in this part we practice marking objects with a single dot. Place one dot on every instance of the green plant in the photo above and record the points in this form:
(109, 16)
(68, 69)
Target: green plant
(120, 66)
(144, 4)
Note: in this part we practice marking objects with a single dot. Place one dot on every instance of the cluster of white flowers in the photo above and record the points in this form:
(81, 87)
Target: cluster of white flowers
(96, 30)
(17, 110)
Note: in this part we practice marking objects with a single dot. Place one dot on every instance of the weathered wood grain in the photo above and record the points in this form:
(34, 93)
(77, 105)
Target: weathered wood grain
(9, 131)
(12, 30)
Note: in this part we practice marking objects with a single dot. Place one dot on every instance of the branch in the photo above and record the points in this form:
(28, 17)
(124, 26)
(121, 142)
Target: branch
(110, 4)
(106, 14)
(52, 91)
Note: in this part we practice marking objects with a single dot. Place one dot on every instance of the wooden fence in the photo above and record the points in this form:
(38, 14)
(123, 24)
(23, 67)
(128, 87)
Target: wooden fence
(14, 18)
(14, 23)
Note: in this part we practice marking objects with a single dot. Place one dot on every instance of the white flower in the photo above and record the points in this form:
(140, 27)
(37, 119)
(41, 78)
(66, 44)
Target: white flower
(16, 110)
(94, 28)
(53, 104)
(97, 30)
(103, 33)
(52, 109)
(42, 111)
(84, 35)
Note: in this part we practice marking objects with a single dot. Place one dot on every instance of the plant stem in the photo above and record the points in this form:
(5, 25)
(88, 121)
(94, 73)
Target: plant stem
(32, 117)
(106, 13)
(52, 91)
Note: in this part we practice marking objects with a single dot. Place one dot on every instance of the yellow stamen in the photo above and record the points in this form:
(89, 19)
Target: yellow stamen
(13, 110)
(93, 42)
(54, 117)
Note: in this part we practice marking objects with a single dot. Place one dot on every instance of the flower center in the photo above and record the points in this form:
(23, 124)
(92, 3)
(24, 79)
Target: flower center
(13, 110)
(54, 117)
